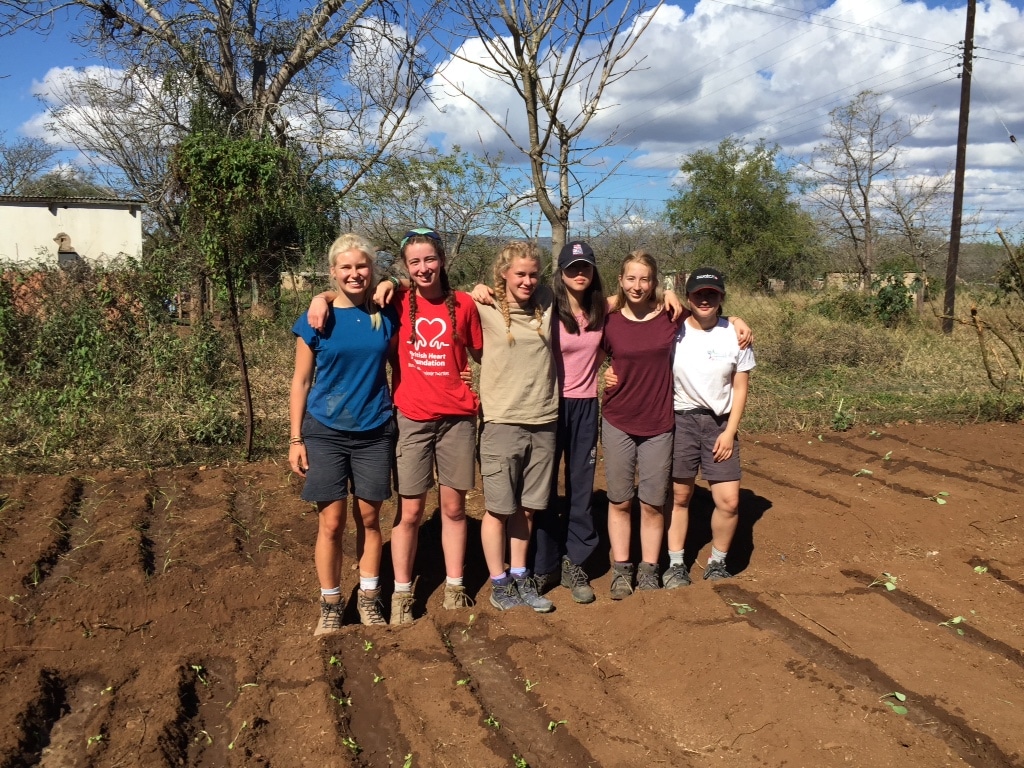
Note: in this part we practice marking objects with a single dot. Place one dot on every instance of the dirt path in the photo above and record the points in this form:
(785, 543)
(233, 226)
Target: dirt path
(165, 619)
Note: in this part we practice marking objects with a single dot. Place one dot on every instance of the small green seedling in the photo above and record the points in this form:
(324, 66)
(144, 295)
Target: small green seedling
(520, 762)
(493, 722)
(377, 678)
(530, 685)
(367, 645)
(469, 626)
(952, 624)
(335, 661)
(343, 701)
(742, 608)
(352, 745)
(209, 738)
(408, 761)
(981, 569)
(874, 433)
(887, 457)
(938, 498)
(198, 669)
(108, 689)
(245, 724)
(861, 472)
(553, 725)
(898, 708)
(886, 580)
(463, 681)
(821, 439)
(94, 739)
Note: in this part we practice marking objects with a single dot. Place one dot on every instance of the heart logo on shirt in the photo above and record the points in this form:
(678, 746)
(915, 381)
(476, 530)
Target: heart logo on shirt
(429, 333)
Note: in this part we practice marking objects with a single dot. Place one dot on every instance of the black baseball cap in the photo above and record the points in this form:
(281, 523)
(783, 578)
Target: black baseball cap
(705, 277)
(576, 250)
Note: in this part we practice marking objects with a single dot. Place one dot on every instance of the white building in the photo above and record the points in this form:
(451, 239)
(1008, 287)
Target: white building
(34, 230)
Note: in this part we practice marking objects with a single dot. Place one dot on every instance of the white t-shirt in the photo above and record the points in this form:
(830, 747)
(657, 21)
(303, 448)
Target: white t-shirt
(704, 364)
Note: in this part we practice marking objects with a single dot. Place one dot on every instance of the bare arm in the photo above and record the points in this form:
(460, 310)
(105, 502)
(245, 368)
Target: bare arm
(302, 380)
(725, 442)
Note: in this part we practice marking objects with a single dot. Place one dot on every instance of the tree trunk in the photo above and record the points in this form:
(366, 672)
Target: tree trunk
(243, 368)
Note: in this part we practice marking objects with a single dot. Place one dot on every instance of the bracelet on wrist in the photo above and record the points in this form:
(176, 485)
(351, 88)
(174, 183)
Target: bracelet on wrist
(393, 280)
(296, 441)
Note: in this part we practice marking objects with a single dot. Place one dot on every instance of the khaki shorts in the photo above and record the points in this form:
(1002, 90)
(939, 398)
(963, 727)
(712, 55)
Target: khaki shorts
(627, 455)
(517, 463)
(449, 443)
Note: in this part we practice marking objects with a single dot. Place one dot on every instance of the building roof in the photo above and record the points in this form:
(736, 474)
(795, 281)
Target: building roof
(65, 201)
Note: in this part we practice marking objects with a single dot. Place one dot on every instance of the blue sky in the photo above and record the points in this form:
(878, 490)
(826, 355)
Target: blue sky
(749, 68)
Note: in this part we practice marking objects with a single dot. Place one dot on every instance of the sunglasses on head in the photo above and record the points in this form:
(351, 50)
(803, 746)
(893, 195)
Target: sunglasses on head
(419, 232)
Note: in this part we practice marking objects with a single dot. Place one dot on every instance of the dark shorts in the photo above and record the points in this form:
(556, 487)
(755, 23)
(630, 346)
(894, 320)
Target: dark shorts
(347, 462)
(694, 448)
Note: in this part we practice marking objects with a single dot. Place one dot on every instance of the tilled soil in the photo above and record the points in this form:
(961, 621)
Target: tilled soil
(165, 619)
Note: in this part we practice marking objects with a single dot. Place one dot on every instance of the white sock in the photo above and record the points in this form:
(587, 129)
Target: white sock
(453, 581)
(406, 587)
(716, 556)
(368, 583)
(675, 558)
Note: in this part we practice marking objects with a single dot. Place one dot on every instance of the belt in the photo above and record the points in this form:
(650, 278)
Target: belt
(699, 412)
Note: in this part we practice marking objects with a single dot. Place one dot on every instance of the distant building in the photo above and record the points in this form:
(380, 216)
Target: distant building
(52, 230)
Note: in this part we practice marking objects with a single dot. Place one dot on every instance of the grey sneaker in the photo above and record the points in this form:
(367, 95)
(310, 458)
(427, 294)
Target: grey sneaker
(504, 595)
(368, 603)
(527, 589)
(574, 578)
(330, 618)
(546, 581)
(622, 580)
(716, 571)
(647, 576)
(676, 576)
(455, 597)
(401, 608)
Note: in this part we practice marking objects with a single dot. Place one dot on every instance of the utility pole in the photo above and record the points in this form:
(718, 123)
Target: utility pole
(949, 305)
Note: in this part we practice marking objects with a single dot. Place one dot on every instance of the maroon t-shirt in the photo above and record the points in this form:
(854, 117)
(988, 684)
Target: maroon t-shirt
(641, 356)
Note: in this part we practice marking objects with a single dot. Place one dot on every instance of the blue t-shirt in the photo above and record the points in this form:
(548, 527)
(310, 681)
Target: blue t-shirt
(350, 391)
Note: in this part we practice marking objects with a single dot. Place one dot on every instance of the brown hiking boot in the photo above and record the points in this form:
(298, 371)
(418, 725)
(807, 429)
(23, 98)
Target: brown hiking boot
(622, 580)
(368, 604)
(401, 608)
(455, 597)
(330, 618)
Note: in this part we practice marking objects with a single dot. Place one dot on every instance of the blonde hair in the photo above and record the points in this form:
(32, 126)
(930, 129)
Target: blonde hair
(515, 249)
(639, 257)
(353, 242)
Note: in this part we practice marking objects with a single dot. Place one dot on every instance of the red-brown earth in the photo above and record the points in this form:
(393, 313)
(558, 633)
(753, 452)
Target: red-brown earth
(165, 619)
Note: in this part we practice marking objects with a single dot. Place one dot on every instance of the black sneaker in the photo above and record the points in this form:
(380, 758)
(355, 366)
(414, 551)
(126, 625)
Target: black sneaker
(504, 595)
(622, 580)
(528, 593)
(716, 571)
(647, 576)
(676, 576)
(574, 578)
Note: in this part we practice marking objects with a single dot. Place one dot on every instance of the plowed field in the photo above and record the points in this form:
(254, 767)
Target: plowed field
(165, 619)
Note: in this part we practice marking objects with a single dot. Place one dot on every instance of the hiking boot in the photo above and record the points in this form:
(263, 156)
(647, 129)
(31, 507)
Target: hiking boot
(716, 571)
(504, 594)
(622, 580)
(455, 597)
(330, 618)
(647, 576)
(527, 588)
(574, 578)
(676, 576)
(370, 609)
(546, 581)
(401, 608)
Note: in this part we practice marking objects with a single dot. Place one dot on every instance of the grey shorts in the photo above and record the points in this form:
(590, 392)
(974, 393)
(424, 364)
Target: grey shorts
(626, 456)
(517, 463)
(450, 443)
(694, 448)
(342, 462)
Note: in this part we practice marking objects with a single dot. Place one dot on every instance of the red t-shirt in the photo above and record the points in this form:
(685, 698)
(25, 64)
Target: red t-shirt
(426, 384)
(641, 356)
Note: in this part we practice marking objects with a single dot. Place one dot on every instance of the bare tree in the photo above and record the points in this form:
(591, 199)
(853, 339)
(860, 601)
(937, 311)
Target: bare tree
(917, 217)
(861, 151)
(558, 57)
(21, 161)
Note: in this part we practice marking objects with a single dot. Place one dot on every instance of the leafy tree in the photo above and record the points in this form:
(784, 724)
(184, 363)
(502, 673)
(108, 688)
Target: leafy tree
(735, 209)
(66, 181)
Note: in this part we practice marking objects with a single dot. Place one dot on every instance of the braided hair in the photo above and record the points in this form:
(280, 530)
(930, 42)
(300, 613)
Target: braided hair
(513, 250)
(446, 286)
